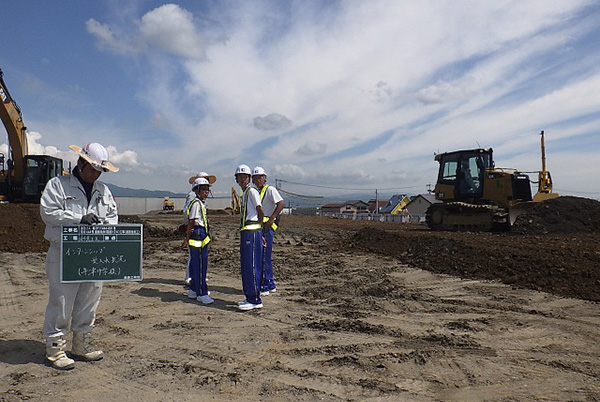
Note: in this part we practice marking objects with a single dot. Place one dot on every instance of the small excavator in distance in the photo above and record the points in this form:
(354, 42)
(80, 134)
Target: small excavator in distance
(477, 196)
(22, 176)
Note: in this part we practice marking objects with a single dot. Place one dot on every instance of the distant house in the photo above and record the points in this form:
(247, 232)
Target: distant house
(348, 207)
(419, 204)
(375, 206)
(334, 208)
(395, 204)
(360, 206)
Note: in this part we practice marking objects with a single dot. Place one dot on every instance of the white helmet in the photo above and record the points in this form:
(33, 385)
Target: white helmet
(258, 171)
(96, 155)
(243, 169)
(200, 181)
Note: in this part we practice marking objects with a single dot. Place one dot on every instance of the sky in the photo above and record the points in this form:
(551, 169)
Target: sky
(328, 96)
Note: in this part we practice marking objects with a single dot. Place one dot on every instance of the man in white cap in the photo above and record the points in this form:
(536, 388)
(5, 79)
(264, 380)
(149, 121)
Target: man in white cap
(190, 197)
(251, 240)
(197, 239)
(74, 199)
(272, 203)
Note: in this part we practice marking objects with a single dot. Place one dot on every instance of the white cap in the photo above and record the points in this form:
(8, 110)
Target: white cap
(97, 156)
(258, 171)
(207, 176)
(200, 181)
(243, 169)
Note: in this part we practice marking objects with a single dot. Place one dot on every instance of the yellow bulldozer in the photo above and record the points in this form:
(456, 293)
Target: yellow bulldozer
(168, 204)
(478, 196)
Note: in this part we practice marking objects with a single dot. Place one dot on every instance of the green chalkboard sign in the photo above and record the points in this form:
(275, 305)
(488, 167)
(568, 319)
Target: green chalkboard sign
(101, 252)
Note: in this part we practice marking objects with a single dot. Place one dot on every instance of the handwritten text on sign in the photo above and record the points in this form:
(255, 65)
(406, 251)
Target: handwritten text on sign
(101, 252)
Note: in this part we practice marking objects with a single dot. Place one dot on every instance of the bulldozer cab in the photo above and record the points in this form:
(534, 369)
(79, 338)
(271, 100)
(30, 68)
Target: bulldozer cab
(462, 173)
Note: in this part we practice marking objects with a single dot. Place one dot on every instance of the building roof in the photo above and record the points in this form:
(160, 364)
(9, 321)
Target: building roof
(392, 203)
(380, 204)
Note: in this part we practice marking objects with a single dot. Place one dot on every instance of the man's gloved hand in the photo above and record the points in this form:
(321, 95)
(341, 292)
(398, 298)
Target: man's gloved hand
(90, 219)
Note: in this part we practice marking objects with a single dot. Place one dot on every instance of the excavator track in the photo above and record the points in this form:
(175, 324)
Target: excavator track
(460, 216)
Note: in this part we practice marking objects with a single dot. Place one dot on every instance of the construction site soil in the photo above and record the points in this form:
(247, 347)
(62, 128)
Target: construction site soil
(364, 310)
(554, 247)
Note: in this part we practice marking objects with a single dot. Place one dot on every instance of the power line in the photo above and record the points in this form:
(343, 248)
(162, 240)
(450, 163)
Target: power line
(300, 195)
(346, 188)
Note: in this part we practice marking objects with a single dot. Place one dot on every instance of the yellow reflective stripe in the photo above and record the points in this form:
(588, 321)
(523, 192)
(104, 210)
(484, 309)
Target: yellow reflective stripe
(189, 208)
(205, 221)
(244, 205)
(199, 243)
(252, 226)
(263, 191)
(266, 219)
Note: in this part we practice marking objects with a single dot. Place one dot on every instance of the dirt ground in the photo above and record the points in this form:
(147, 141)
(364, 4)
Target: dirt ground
(364, 311)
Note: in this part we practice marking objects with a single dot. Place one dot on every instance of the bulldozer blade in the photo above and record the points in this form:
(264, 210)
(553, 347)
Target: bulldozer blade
(539, 197)
(519, 209)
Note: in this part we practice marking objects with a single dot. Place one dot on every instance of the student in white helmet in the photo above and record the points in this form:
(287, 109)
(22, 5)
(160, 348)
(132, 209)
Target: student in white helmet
(74, 199)
(251, 239)
(191, 196)
(272, 203)
(196, 239)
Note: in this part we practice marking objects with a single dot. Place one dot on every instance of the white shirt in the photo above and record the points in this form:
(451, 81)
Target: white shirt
(253, 201)
(270, 200)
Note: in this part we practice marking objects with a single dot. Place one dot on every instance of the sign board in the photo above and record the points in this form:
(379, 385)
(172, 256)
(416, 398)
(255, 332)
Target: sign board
(101, 252)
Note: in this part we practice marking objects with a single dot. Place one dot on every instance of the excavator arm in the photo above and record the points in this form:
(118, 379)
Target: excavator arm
(12, 119)
(25, 175)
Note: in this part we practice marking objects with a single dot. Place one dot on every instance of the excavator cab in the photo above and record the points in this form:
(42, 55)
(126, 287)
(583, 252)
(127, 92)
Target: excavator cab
(39, 169)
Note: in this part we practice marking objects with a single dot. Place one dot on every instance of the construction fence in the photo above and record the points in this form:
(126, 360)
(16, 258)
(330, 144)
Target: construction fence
(379, 217)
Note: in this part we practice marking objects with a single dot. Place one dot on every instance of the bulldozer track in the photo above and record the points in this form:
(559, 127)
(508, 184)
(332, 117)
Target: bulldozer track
(461, 216)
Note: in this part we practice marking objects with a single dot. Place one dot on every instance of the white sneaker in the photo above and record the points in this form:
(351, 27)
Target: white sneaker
(246, 305)
(206, 299)
(192, 294)
(264, 293)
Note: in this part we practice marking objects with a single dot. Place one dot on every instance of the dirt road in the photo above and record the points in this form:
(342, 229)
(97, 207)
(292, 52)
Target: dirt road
(350, 321)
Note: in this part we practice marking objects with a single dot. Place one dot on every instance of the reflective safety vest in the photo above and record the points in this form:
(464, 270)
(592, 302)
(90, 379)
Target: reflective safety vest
(247, 225)
(206, 240)
(263, 191)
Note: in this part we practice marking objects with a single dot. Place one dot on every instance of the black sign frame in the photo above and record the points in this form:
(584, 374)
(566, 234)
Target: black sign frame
(90, 253)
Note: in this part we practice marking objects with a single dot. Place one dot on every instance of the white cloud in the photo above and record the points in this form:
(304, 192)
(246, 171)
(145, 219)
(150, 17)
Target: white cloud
(312, 148)
(171, 29)
(273, 121)
(289, 171)
(106, 38)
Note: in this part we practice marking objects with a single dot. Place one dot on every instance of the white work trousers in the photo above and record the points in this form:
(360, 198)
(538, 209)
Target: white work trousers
(74, 303)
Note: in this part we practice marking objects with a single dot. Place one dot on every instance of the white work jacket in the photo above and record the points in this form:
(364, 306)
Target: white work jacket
(64, 202)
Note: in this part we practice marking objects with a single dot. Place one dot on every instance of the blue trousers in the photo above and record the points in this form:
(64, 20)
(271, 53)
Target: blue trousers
(198, 263)
(268, 282)
(251, 256)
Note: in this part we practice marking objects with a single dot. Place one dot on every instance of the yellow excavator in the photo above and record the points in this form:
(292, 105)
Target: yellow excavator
(22, 176)
(477, 196)
(235, 202)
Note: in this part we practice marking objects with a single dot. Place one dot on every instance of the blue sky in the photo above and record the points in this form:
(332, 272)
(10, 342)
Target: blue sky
(341, 94)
